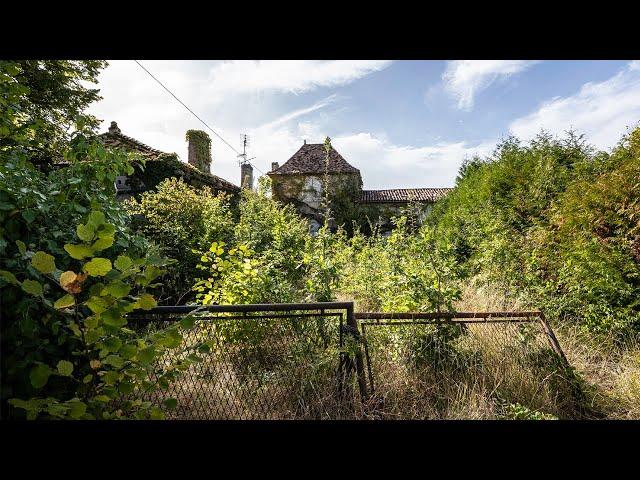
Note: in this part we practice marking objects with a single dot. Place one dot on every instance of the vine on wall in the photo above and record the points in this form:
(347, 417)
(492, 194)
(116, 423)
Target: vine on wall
(202, 144)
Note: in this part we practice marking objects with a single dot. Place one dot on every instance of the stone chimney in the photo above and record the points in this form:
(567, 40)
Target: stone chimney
(274, 166)
(199, 150)
(114, 128)
(246, 176)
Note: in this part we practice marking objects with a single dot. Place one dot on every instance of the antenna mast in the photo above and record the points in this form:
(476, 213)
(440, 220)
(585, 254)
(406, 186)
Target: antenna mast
(242, 157)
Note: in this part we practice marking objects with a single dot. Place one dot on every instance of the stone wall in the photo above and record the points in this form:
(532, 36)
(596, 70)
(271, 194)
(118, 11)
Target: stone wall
(306, 193)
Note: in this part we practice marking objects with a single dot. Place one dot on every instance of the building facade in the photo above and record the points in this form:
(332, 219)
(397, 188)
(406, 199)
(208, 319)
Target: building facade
(301, 181)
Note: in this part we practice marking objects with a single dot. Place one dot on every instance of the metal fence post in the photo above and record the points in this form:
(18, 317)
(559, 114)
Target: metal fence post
(353, 327)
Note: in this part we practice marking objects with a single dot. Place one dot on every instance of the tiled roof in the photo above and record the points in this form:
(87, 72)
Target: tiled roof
(401, 195)
(115, 138)
(310, 158)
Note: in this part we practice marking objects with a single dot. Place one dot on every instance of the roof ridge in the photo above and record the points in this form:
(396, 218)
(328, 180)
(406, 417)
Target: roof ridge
(310, 158)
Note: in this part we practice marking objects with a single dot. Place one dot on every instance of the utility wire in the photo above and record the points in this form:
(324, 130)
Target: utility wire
(193, 113)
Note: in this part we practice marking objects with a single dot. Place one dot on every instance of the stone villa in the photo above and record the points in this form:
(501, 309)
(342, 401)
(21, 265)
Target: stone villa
(299, 181)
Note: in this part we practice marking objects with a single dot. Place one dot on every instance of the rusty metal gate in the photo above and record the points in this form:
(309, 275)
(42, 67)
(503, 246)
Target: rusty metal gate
(323, 361)
(263, 361)
(463, 365)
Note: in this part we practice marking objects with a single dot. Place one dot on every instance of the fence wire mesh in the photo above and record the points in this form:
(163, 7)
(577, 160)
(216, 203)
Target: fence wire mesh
(259, 365)
(448, 368)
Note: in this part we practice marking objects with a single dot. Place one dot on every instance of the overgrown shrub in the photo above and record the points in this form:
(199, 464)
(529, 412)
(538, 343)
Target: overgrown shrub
(182, 219)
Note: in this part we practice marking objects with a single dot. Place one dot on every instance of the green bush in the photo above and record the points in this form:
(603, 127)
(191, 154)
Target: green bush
(555, 224)
(182, 220)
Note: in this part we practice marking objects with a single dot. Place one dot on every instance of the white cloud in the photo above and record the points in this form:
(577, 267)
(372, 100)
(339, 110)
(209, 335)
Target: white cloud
(146, 112)
(602, 111)
(299, 113)
(294, 76)
(232, 97)
(463, 79)
(386, 165)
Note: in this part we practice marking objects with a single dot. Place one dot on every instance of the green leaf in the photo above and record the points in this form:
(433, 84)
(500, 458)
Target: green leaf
(43, 262)
(156, 414)
(85, 232)
(145, 356)
(78, 409)
(64, 302)
(22, 248)
(65, 368)
(188, 322)
(114, 360)
(146, 302)
(9, 277)
(39, 376)
(128, 351)
(102, 243)
(171, 403)
(123, 263)
(97, 304)
(78, 251)
(29, 215)
(117, 289)
(126, 387)
(113, 344)
(33, 287)
(96, 219)
(98, 267)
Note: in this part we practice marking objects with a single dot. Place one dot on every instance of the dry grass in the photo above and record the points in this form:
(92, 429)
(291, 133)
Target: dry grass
(611, 373)
(487, 372)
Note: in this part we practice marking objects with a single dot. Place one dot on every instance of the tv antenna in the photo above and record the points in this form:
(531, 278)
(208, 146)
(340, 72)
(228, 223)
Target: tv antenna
(244, 138)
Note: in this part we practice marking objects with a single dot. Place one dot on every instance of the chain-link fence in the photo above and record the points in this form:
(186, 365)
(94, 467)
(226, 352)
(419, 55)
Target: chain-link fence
(323, 361)
(465, 365)
(260, 362)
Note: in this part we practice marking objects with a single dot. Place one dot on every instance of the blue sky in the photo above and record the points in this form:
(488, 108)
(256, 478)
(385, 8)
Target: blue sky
(402, 123)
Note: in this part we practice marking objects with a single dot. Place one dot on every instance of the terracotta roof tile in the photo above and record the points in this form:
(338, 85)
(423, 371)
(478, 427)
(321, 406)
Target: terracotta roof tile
(310, 158)
(401, 195)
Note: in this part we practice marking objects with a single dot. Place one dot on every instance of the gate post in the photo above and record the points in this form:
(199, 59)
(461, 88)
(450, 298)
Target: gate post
(355, 331)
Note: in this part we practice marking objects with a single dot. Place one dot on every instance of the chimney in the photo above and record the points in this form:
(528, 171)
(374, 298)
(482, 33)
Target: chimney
(114, 128)
(199, 150)
(246, 176)
(305, 141)
(274, 166)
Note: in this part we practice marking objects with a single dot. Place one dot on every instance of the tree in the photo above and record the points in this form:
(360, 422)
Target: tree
(44, 102)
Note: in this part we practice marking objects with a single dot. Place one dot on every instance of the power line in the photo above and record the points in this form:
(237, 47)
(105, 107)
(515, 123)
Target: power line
(193, 113)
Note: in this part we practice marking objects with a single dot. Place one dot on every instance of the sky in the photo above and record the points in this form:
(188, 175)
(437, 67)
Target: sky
(404, 124)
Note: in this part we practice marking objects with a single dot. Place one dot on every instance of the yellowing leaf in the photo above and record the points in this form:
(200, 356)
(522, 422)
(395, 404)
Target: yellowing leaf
(85, 232)
(102, 243)
(78, 251)
(67, 278)
(71, 282)
(98, 267)
(43, 262)
(65, 302)
(95, 364)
